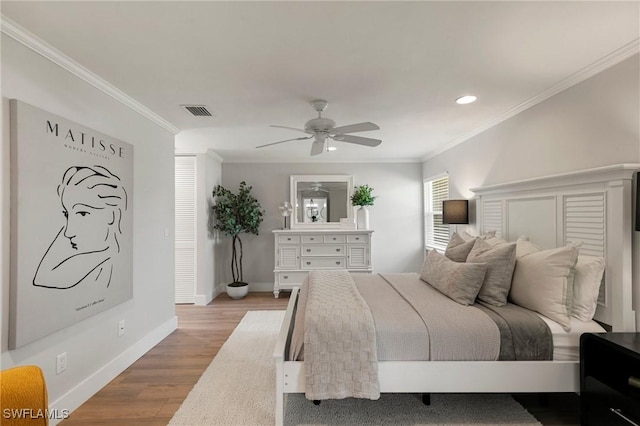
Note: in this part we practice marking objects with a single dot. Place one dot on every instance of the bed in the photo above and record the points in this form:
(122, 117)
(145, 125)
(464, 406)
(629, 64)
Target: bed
(591, 208)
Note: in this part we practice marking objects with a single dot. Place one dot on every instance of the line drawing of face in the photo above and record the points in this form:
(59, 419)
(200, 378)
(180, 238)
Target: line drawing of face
(92, 201)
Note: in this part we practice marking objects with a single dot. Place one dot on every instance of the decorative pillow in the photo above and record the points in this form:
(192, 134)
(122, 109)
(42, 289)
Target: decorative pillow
(586, 286)
(458, 281)
(494, 241)
(525, 247)
(467, 236)
(541, 282)
(458, 249)
(500, 260)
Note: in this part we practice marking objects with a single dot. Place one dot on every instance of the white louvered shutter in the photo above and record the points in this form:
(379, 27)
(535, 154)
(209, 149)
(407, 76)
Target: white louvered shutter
(185, 180)
(435, 192)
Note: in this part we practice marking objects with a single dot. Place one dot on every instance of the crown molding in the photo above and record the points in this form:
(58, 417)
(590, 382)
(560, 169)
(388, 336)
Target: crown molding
(598, 66)
(21, 35)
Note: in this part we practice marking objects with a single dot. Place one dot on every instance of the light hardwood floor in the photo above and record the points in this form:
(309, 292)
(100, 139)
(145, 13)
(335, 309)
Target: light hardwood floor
(151, 390)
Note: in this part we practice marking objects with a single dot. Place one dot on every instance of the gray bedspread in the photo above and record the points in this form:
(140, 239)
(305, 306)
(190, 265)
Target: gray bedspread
(523, 335)
(415, 322)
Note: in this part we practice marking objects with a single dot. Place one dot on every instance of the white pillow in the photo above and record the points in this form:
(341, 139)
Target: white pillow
(541, 282)
(586, 286)
(467, 236)
(524, 246)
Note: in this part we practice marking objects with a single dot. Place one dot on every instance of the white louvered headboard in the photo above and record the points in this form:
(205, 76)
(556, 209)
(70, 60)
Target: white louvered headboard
(591, 206)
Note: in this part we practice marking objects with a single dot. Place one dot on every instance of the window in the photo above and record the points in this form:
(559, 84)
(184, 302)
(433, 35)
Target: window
(436, 190)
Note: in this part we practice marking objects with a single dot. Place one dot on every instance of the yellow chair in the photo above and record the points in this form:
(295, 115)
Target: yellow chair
(23, 397)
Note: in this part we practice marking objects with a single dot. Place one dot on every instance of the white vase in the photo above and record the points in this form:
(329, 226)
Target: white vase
(362, 216)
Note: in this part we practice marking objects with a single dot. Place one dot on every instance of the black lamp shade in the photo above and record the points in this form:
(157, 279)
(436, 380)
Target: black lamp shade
(455, 212)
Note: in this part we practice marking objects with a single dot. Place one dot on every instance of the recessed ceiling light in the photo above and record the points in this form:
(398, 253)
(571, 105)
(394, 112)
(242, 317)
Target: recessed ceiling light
(466, 99)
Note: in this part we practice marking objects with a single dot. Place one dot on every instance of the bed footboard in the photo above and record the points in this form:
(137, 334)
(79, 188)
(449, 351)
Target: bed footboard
(280, 353)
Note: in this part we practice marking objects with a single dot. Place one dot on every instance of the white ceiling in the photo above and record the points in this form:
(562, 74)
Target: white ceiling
(398, 64)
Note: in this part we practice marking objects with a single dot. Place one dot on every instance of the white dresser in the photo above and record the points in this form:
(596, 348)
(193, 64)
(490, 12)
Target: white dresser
(299, 251)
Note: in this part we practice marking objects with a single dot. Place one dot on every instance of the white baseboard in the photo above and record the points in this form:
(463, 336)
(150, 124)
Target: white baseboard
(90, 386)
(204, 299)
(258, 287)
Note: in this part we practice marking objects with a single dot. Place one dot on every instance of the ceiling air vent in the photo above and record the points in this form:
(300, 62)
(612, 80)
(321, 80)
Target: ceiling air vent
(197, 110)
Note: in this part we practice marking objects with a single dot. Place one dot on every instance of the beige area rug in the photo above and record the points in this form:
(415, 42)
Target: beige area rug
(238, 388)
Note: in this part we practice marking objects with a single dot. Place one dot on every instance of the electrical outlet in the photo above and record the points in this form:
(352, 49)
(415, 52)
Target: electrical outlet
(61, 363)
(121, 328)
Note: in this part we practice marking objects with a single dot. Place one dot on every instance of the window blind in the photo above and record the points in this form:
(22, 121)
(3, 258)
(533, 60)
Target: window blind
(435, 192)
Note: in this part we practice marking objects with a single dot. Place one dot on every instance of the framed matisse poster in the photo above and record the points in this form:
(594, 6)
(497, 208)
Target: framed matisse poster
(71, 223)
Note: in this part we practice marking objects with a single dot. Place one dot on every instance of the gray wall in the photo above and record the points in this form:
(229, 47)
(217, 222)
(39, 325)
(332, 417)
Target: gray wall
(594, 123)
(396, 217)
(95, 353)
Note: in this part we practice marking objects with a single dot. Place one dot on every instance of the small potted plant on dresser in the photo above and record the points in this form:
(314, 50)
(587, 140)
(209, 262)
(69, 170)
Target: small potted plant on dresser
(236, 214)
(363, 197)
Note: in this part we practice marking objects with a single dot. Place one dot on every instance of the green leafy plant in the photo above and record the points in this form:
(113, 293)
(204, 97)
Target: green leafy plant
(236, 214)
(362, 196)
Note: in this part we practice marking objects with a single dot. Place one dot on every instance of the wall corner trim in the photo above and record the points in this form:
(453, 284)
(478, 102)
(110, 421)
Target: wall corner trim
(211, 153)
(21, 35)
(92, 384)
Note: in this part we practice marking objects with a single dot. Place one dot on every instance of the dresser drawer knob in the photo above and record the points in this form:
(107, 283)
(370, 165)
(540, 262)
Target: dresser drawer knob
(338, 263)
(357, 238)
(311, 238)
(308, 263)
(308, 250)
(286, 277)
(334, 238)
(338, 250)
(288, 238)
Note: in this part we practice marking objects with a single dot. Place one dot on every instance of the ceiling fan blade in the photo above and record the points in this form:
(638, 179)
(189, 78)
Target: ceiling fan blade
(317, 147)
(290, 128)
(359, 140)
(352, 128)
(286, 140)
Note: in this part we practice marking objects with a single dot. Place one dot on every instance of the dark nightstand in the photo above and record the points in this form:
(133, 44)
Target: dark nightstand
(610, 379)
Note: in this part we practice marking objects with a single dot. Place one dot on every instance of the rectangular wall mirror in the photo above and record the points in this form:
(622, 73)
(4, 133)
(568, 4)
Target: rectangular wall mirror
(320, 201)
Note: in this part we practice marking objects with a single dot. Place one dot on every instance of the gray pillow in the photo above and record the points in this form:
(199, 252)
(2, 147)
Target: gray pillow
(500, 260)
(458, 281)
(458, 248)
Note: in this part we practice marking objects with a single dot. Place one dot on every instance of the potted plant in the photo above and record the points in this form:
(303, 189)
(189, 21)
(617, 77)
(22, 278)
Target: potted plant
(362, 196)
(235, 214)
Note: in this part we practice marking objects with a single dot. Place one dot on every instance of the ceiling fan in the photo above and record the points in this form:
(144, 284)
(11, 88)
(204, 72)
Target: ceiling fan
(320, 129)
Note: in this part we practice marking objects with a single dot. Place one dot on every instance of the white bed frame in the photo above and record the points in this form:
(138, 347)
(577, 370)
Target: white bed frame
(593, 206)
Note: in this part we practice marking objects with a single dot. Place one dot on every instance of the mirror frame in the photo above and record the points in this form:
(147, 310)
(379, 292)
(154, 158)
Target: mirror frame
(293, 185)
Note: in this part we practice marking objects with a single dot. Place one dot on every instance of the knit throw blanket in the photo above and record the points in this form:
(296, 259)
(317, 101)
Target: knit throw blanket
(340, 358)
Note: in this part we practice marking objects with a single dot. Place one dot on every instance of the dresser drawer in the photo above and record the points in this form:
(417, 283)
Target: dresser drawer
(324, 262)
(323, 250)
(291, 277)
(289, 239)
(332, 238)
(312, 239)
(358, 239)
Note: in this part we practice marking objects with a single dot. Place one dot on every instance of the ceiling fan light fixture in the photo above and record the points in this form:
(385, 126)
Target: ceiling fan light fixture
(467, 99)
(331, 148)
